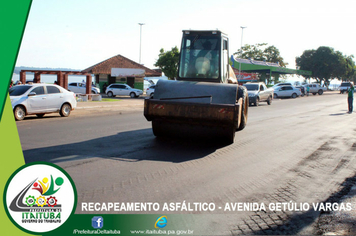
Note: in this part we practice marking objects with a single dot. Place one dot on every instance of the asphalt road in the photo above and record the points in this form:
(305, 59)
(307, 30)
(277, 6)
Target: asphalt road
(294, 151)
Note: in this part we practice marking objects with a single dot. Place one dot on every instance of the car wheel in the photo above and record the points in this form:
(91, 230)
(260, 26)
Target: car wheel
(294, 95)
(65, 110)
(320, 92)
(269, 100)
(40, 115)
(275, 95)
(151, 95)
(257, 102)
(93, 92)
(19, 113)
(110, 94)
(132, 95)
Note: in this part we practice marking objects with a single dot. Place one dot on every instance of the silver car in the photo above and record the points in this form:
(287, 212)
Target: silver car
(122, 90)
(40, 99)
(344, 87)
(81, 88)
(287, 91)
(150, 91)
(277, 86)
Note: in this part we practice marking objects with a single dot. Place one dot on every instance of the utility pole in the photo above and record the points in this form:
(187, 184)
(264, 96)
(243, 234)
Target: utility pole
(141, 24)
(242, 33)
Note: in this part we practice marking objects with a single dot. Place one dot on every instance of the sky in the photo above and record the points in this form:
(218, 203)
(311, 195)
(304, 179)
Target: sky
(80, 33)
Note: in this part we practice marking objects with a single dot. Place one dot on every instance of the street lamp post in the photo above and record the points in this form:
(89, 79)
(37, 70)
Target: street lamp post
(141, 24)
(242, 33)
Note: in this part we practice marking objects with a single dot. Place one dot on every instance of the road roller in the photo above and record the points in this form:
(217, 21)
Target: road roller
(204, 100)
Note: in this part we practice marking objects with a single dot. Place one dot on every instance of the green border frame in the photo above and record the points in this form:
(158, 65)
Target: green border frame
(13, 15)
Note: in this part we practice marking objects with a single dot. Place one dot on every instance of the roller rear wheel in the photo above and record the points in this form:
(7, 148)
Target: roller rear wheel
(242, 93)
(157, 129)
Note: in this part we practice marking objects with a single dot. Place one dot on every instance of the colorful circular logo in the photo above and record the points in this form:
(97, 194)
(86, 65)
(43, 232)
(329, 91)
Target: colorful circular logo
(39, 197)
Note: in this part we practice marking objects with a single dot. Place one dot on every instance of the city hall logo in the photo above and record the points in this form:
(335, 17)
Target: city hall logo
(39, 197)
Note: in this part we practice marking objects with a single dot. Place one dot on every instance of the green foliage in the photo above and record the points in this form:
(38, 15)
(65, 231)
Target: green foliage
(168, 62)
(261, 52)
(326, 63)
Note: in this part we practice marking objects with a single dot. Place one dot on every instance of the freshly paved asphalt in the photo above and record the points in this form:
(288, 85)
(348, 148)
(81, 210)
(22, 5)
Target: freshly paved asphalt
(305, 123)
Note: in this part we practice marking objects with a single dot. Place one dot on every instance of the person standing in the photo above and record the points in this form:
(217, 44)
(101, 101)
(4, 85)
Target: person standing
(350, 98)
(104, 87)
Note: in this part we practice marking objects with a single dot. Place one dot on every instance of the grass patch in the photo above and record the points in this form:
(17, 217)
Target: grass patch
(108, 100)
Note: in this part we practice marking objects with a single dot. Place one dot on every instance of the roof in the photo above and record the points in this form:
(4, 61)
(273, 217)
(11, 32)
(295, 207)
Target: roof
(250, 65)
(54, 72)
(206, 32)
(254, 62)
(118, 61)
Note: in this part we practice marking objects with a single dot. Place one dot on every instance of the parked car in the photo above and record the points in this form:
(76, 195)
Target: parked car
(40, 99)
(123, 90)
(344, 87)
(150, 91)
(19, 82)
(303, 90)
(258, 92)
(287, 91)
(276, 86)
(316, 89)
(81, 88)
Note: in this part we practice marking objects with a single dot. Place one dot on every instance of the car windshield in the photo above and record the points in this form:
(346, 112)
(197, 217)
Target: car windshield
(19, 90)
(251, 87)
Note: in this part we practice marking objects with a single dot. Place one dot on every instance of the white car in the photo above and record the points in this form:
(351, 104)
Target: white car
(40, 99)
(81, 88)
(287, 91)
(344, 86)
(122, 90)
(150, 91)
(316, 89)
(277, 86)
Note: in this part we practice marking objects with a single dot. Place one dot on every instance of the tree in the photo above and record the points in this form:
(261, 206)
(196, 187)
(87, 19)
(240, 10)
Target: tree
(325, 64)
(272, 54)
(251, 51)
(262, 52)
(168, 62)
(305, 62)
(350, 68)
